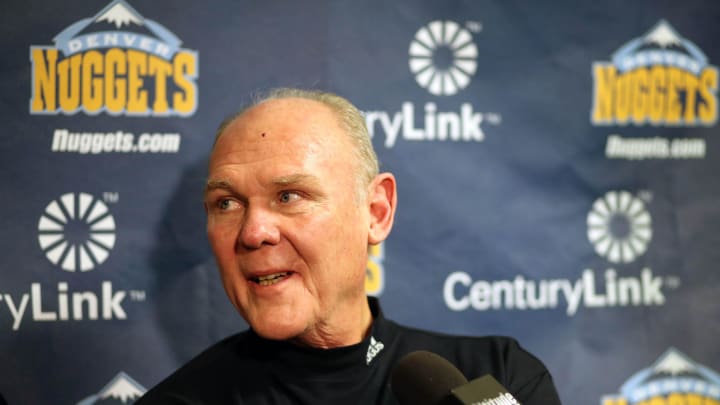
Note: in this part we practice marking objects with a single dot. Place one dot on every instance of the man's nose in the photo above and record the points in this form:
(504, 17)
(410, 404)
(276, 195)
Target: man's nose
(259, 228)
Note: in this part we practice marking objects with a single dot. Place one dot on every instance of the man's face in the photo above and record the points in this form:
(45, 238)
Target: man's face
(286, 223)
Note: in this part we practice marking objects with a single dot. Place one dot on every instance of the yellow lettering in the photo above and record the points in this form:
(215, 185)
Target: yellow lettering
(657, 94)
(92, 86)
(707, 111)
(69, 81)
(623, 98)
(614, 401)
(691, 89)
(137, 101)
(373, 271)
(115, 88)
(673, 109)
(640, 95)
(676, 399)
(44, 79)
(184, 68)
(160, 70)
(114, 81)
(693, 399)
(604, 78)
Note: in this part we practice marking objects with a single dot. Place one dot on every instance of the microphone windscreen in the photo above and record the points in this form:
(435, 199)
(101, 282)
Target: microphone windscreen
(424, 378)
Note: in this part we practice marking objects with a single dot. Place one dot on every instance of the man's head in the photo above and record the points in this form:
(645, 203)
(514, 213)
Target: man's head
(293, 201)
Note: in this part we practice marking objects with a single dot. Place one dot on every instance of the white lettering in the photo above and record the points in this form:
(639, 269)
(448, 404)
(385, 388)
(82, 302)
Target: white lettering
(63, 302)
(464, 125)
(84, 304)
(129, 39)
(592, 299)
(74, 45)
(92, 41)
(110, 39)
(471, 123)
(114, 142)
(461, 292)
(409, 131)
(162, 50)
(617, 147)
(17, 311)
(111, 302)
(449, 291)
(651, 287)
(145, 44)
(480, 295)
(90, 299)
(38, 314)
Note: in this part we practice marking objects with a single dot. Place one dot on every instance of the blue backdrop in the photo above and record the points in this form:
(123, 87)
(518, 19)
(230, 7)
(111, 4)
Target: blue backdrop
(557, 169)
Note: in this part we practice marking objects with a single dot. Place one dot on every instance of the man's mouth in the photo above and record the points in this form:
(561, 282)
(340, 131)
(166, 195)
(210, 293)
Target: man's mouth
(270, 279)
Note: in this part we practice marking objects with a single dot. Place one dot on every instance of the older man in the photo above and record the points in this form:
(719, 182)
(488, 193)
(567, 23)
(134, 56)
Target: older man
(294, 199)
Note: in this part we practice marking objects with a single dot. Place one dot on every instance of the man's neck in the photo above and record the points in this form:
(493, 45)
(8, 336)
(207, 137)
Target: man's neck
(351, 329)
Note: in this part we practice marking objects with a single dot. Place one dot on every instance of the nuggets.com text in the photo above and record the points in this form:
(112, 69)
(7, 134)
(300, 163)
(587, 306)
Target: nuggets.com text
(114, 142)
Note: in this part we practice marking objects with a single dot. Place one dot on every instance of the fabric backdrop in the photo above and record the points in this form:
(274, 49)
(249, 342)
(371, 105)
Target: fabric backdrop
(557, 166)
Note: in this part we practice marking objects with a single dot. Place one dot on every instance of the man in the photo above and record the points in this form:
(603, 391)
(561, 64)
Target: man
(293, 200)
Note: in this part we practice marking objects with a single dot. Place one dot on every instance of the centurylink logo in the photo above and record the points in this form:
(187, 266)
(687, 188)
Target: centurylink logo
(76, 232)
(619, 227)
(443, 57)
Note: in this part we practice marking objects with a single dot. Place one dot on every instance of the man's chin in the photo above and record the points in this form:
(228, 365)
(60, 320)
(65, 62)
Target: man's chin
(276, 331)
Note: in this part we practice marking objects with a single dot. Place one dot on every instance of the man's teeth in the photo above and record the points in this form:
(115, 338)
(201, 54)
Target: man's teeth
(271, 278)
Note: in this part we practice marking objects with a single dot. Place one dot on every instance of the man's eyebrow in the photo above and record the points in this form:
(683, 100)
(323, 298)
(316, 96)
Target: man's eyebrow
(282, 181)
(298, 178)
(217, 184)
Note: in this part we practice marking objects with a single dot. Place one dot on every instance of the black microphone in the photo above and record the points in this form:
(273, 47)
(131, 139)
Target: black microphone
(424, 378)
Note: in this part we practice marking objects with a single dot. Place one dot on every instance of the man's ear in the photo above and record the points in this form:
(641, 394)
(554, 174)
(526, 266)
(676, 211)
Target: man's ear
(382, 201)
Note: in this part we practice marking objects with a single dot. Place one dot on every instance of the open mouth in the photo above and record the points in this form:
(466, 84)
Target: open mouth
(271, 279)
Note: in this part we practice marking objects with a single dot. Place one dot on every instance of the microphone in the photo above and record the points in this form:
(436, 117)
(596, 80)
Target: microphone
(424, 378)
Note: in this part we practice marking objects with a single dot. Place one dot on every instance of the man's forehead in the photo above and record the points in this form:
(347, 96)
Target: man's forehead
(301, 109)
(283, 129)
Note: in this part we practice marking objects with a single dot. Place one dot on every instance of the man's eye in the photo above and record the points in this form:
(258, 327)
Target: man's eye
(225, 204)
(288, 196)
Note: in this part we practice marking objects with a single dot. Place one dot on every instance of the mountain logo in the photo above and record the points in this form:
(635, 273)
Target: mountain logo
(122, 389)
(673, 379)
(76, 232)
(619, 227)
(443, 57)
(117, 62)
(661, 79)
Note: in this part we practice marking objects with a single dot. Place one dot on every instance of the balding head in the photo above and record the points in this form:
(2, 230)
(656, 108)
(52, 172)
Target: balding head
(349, 118)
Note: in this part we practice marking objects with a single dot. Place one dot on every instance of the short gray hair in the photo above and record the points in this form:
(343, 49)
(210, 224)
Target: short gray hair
(350, 118)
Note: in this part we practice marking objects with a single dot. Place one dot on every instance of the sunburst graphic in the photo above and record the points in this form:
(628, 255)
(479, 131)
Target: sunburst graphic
(76, 232)
(443, 57)
(619, 227)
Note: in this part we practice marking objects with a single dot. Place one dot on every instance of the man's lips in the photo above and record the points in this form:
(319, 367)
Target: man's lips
(270, 279)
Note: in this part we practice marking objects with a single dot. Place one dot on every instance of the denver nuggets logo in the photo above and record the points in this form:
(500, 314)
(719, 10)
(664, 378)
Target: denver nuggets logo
(659, 79)
(674, 379)
(374, 272)
(116, 62)
(120, 390)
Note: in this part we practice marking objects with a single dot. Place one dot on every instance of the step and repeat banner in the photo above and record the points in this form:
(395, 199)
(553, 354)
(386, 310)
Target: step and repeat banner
(557, 166)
